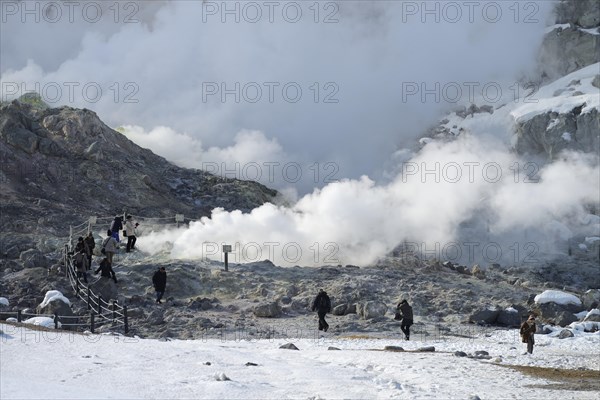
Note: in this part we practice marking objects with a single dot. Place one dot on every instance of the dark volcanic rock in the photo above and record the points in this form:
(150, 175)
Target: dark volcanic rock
(485, 316)
(508, 318)
(72, 164)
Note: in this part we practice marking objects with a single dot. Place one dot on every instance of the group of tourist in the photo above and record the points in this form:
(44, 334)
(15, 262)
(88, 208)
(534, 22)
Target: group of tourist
(84, 249)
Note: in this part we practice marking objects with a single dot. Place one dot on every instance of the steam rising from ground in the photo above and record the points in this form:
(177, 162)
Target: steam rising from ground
(362, 61)
(356, 221)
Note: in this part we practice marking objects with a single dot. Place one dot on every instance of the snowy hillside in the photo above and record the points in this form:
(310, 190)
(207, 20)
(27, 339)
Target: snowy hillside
(561, 96)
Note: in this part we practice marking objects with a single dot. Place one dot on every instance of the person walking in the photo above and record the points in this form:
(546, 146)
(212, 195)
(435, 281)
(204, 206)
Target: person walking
(527, 332)
(109, 246)
(130, 226)
(159, 280)
(80, 245)
(405, 313)
(322, 305)
(106, 269)
(90, 243)
(116, 226)
(81, 267)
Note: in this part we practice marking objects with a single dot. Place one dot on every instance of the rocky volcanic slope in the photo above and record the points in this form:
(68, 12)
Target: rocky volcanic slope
(263, 300)
(61, 165)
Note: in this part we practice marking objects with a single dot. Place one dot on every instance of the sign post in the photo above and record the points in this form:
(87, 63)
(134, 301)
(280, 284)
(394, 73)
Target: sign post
(226, 250)
(179, 218)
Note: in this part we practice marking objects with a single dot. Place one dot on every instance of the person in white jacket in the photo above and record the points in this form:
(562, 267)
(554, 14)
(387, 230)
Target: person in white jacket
(130, 226)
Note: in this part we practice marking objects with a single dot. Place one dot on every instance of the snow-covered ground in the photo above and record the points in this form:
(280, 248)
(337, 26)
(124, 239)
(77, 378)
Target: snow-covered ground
(58, 365)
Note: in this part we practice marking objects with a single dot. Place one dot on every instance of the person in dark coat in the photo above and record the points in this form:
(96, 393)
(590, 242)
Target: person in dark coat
(116, 226)
(405, 312)
(107, 271)
(322, 305)
(80, 245)
(159, 280)
(80, 261)
(527, 332)
(90, 243)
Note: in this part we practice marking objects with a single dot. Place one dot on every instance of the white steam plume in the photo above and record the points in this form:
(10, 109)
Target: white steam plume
(154, 64)
(355, 221)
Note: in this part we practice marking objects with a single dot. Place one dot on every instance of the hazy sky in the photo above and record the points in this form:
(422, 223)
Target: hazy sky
(324, 84)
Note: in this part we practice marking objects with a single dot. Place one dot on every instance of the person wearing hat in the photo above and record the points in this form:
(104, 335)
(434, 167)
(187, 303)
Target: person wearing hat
(527, 331)
(405, 313)
(80, 244)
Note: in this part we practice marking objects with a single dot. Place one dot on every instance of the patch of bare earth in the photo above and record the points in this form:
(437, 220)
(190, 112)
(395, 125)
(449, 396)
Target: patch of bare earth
(564, 379)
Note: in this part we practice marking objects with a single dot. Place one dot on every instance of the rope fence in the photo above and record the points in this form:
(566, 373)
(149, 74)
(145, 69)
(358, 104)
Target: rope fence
(99, 309)
(100, 312)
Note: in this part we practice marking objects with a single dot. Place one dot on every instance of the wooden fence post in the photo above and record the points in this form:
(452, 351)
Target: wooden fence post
(66, 259)
(92, 325)
(55, 321)
(125, 320)
(19, 317)
(88, 298)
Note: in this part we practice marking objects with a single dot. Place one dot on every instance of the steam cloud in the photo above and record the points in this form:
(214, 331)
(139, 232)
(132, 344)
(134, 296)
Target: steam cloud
(177, 51)
(167, 59)
(356, 221)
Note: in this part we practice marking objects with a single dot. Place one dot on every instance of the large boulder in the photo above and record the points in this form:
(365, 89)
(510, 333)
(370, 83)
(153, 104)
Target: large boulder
(200, 304)
(565, 333)
(564, 318)
(156, 317)
(593, 316)
(4, 306)
(371, 309)
(33, 258)
(55, 303)
(550, 311)
(106, 288)
(509, 317)
(591, 299)
(267, 310)
(486, 316)
(340, 309)
(556, 301)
